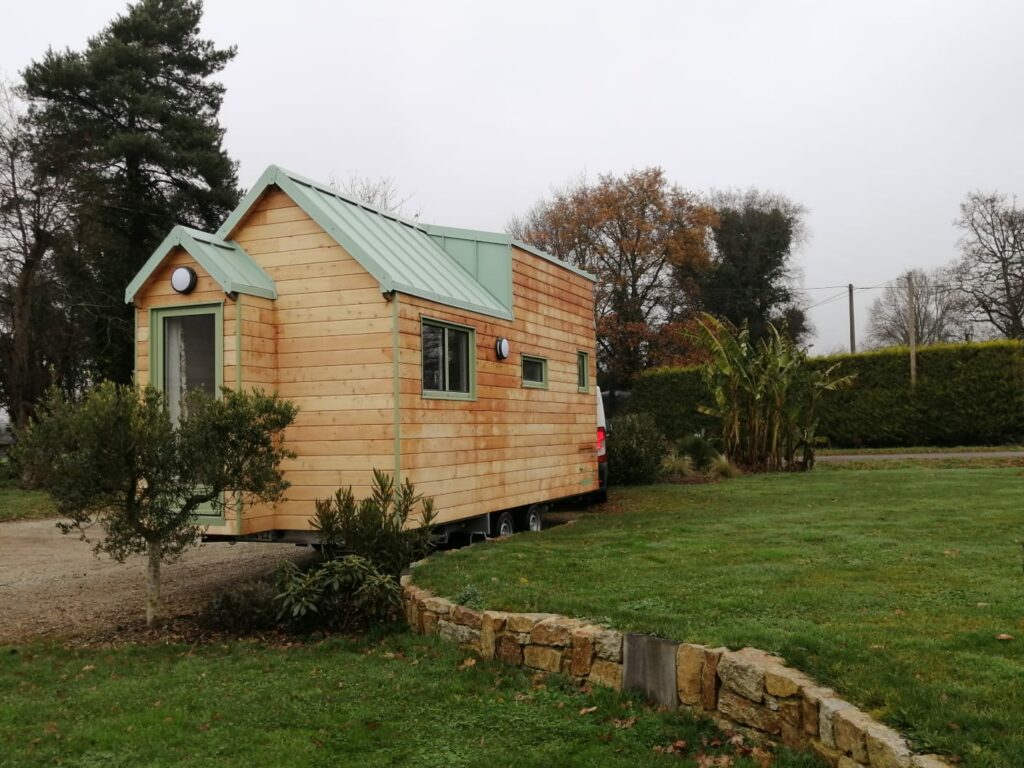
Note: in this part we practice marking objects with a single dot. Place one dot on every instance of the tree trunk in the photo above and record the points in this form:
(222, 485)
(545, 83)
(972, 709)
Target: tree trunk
(153, 555)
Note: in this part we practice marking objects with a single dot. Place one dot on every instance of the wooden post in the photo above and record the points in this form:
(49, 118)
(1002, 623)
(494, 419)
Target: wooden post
(853, 325)
(912, 328)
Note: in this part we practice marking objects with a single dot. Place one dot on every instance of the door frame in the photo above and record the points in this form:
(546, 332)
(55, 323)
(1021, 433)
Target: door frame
(157, 315)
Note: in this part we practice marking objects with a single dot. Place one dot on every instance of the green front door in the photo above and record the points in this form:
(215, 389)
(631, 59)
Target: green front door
(187, 353)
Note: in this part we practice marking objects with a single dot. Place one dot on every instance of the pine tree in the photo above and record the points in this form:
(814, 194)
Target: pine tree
(134, 120)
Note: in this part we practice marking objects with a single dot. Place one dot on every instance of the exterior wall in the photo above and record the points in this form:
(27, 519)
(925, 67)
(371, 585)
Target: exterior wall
(325, 344)
(513, 445)
(328, 344)
(157, 294)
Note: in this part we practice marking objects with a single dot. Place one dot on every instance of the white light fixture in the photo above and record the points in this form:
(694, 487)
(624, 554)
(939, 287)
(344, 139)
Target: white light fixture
(502, 348)
(183, 279)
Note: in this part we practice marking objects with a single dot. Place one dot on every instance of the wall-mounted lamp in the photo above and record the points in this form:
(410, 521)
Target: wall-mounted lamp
(183, 279)
(502, 348)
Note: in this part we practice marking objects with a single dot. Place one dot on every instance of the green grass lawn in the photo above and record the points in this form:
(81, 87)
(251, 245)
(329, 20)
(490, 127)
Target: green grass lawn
(384, 701)
(16, 504)
(889, 584)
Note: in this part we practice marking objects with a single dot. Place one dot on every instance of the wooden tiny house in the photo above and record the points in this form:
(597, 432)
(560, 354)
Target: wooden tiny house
(388, 334)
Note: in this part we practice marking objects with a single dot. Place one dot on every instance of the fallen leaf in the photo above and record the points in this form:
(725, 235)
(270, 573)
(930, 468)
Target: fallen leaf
(1003, 636)
(88, 667)
(628, 722)
(588, 710)
(467, 663)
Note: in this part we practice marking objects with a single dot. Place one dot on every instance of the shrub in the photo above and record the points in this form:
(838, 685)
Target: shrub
(676, 467)
(722, 469)
(699, 449)
(340, 594)
(967, 394)
(471, 597)
(376, 527)
(635, 449)
(248, 607)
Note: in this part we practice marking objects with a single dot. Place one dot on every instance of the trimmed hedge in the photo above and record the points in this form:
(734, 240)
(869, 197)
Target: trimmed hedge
(967, 394)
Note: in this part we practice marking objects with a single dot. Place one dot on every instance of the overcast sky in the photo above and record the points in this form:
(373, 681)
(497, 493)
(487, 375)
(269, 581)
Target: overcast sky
(877, 116)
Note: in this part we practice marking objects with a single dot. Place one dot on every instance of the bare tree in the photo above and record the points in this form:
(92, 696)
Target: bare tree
(381, 193)
(991, 268)
(940, 312)
(34, 215)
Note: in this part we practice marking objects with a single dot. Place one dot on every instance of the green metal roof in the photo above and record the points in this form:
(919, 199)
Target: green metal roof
(458, 267)
(232, 268)
(396, 251)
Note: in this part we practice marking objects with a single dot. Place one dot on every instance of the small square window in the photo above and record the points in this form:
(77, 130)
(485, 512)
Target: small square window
(582, 371)
(535, 371)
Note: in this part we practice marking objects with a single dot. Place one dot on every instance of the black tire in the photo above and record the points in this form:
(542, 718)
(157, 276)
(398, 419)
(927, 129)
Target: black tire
(504, 525)
(533, 518)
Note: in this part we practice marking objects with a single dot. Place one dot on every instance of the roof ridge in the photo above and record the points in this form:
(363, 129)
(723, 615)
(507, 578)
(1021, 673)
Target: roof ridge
(329, 190)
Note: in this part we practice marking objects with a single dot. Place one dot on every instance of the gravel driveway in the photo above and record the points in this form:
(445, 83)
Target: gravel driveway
(51, 585)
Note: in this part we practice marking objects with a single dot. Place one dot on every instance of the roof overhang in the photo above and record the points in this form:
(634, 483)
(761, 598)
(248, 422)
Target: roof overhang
(226, 262)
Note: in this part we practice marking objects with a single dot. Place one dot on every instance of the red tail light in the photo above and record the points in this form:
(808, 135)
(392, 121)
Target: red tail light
(602, 447)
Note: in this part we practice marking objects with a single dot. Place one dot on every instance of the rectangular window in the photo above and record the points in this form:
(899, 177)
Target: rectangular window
(448, 360)
(582, 371)
(535, 371)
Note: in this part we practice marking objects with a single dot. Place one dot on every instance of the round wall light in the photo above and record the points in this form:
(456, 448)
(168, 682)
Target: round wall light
(183, 279)
(502, 348)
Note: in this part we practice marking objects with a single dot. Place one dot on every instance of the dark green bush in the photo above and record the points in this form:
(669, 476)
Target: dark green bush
(635, 449)
(967, 394)
(245, 608)
(672, 395)
(375, 528)
(700, 450)
(341, 594)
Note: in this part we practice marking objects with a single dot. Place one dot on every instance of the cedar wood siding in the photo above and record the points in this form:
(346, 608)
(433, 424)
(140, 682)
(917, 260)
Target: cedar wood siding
(326, 344)
(156, 294)
(332, 359)
(513, 445)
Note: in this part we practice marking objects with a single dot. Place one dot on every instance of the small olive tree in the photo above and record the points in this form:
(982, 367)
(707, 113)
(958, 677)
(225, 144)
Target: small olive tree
(115, 459)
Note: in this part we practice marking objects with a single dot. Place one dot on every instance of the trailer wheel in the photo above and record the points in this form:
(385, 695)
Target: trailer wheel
(534, 520)
(505, 525)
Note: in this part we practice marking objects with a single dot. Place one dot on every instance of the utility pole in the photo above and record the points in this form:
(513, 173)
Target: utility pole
(853, 325)
(912, 328)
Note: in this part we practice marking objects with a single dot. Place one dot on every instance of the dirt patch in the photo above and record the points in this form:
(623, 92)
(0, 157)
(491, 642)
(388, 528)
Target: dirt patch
(51, 585)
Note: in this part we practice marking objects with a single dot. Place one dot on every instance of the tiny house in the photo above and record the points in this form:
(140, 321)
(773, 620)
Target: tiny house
(461, 360)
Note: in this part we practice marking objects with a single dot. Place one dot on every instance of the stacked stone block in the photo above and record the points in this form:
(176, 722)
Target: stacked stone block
(747, 688)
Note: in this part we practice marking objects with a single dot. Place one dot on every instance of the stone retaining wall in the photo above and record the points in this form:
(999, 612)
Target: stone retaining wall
(747, 688)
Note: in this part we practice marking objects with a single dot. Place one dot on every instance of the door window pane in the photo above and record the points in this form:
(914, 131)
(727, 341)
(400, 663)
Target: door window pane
(190, 358)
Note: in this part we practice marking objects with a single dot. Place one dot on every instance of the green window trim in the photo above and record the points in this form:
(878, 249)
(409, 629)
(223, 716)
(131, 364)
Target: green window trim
(157, 315)
(541, 383)
(448, 394)
(582, 372)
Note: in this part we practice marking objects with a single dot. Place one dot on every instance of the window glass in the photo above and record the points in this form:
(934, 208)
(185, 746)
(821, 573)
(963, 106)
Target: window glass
(190, 358)
(582, 369)
(433, 354)
(534, 370)
(447, 359)
(458, 360)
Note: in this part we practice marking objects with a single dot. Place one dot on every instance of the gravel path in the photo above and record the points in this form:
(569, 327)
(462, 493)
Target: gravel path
(52, 585)
(841, 457)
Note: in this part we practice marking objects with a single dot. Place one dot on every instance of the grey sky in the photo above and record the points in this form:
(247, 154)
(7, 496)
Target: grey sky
(878, 116)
